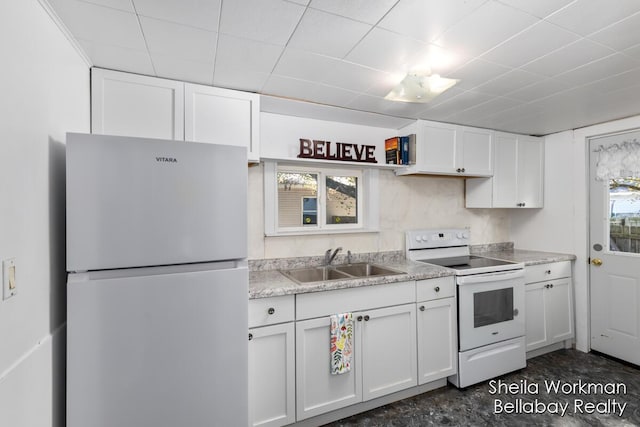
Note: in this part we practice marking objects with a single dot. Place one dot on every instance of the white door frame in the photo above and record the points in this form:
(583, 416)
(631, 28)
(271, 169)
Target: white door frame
(581, 219)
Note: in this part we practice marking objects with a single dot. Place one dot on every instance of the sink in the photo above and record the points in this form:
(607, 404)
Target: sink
(315, 274)
(339, 272)
(366, 269)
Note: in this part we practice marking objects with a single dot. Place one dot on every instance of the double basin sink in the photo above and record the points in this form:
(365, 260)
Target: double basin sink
(338, 272)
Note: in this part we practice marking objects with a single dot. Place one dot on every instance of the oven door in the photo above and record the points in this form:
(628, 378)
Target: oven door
(491, 308)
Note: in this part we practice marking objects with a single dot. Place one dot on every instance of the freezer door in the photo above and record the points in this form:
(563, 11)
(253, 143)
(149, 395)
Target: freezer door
(158, 349)
(141, 202)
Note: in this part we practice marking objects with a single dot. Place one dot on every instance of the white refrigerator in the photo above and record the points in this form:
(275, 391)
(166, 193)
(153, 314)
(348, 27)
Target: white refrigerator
(157, 284)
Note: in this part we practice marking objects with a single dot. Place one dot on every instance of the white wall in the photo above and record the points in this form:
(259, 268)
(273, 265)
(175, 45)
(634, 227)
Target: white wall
(405, 202)
(45, 92)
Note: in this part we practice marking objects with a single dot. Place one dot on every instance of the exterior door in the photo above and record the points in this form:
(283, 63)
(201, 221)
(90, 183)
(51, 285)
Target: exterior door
(614, 254)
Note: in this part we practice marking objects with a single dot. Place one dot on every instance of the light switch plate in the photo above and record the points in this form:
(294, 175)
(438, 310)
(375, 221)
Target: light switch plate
(9, 284)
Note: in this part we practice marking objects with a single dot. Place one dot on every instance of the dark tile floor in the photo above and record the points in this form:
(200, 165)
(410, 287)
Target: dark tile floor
(613, 385)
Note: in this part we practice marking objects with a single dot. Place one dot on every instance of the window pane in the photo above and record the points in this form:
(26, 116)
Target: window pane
(297, 199)
(624, 223)
(342, 199)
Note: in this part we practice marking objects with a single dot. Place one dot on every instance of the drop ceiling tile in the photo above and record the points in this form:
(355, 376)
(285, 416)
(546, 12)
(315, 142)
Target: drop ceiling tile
(597, 70)
(461, 102)
(586, 16)
(384, 106)
(489, 108)
(95, 23)
(194, 13)
(618, 82)
(177, 40)
(538, 8)
(485, 28)
(301, 2)
(633, 52)
(125, 5)
(235, 53)
(541, 89)
(568, 57)
(243, 79)
(268, 21)
(306, 90)
(537, 40)
(369, 11)
(119, 58)
(427, 19)
(476, 73)
(508, 82)
(387, 51)
(622, 35)
(334, 72)
(172, 67)
(322, 32)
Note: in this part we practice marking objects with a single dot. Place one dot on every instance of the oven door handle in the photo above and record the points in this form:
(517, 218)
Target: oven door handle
(490, 277)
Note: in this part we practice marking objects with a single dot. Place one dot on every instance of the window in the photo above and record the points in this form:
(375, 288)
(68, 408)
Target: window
(313, 200)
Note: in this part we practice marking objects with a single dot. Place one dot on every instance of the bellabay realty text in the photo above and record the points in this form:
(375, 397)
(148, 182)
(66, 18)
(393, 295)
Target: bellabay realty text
(557, 397)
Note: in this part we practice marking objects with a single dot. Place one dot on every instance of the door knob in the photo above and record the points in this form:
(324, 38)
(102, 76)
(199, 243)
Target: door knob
(596, 261)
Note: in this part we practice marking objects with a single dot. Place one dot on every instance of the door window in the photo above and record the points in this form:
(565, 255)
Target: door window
(624, 214)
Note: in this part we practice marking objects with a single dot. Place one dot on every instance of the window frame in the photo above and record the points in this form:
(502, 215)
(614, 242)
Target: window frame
(367, 199)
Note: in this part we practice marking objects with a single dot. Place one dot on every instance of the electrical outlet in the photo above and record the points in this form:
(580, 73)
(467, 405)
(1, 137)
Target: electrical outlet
(9, 278)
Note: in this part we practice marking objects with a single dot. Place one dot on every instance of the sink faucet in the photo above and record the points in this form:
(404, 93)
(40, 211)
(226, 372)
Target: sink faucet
(328, 256)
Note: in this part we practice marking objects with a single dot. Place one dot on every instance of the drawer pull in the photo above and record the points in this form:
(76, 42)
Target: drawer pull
(547, 272)
(366, 318)
(437, 289)
(271, 310)
(422, 308)
(250, 337)
(359, 318)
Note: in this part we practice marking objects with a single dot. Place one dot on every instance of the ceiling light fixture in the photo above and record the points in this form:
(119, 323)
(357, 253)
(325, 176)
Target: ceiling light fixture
(419, 87)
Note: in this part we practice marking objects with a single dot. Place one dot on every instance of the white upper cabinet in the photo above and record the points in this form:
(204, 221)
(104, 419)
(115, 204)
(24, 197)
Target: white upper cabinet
(222, 116)
(518, 175)
(131, 105)
(444, 149)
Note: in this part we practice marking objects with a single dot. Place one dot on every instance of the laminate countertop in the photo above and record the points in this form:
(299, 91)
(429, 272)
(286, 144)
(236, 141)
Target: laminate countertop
(265, 283)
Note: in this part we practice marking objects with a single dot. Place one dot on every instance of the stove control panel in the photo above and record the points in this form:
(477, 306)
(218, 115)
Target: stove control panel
(437, 238)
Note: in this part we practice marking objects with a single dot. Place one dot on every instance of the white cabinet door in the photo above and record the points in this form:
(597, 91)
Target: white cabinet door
(387, 350)
(549, 312)
(131, 105)
(559, 310)
(530, 172)
(518, 175)
(437, 339)
(223, 116)
(535, 318)
(317, 391)
(436, 147)
(475, 151)
(272, 375)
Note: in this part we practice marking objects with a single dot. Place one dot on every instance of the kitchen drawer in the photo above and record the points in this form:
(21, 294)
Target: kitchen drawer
(550, 271)
(319, 304)
(441, 287)
(268, 311)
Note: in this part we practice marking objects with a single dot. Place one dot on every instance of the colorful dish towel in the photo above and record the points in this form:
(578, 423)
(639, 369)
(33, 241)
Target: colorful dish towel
(341, 343)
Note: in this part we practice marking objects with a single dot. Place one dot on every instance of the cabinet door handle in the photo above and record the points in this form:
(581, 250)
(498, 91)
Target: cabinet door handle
(464, 170)
(551, 285)
(422, 308)
(524, 204)
(366, 318)
(359, 318)
(437, 289)
(458, 170)
(271, 310)
(250, 337)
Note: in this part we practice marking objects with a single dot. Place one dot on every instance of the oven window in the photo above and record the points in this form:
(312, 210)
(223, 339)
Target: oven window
(492, 307)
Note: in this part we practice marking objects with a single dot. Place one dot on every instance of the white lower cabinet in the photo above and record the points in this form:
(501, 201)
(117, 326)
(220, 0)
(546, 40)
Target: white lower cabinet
(437, 339)
(387, 341)
(317, 391)
(272, 375)
(549, 308)
(384, 360)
